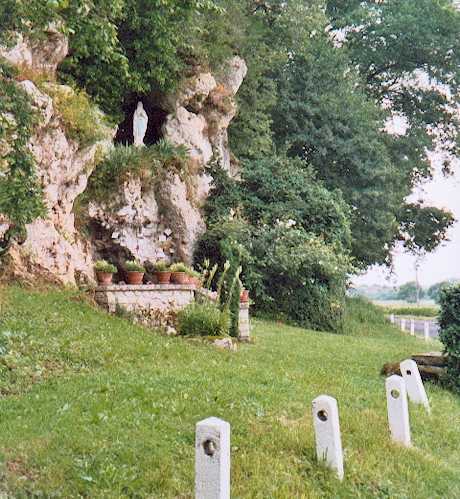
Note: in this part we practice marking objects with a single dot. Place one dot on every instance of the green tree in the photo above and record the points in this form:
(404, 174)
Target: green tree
(408, 292)
(434, 291)
(408, 54)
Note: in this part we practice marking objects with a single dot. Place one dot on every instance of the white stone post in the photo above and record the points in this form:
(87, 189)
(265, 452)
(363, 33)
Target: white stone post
(244, 328)
(412, 327)
(398, 410)
(403, 325)
(392, 318)
(327, 433)
(426, 331)
(414, 384)
(212, 459)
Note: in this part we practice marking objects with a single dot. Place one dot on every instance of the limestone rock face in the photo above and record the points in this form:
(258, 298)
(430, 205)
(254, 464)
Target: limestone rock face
(146, 223)
(53, 249)
(42, 55)
(165, 221)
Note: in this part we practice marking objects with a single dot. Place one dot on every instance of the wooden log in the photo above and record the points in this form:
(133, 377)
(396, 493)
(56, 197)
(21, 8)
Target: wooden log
(428, 373)
(437, 359)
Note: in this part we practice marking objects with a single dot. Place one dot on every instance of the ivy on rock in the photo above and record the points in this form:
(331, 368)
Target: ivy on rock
(21, 199)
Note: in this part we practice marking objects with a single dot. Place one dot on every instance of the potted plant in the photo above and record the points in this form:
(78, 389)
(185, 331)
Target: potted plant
(179, 273)
(104, 272)
(162, 272)
(194, 277)
(244, 296)
(134, 272)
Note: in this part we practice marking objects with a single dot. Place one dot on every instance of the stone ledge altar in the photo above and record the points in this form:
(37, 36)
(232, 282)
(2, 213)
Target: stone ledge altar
(158, 303)
(147, 296)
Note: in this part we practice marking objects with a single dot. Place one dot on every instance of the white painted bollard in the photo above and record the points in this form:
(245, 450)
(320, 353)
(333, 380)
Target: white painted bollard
(426, 331)
(398, 410)
(403, 325)
(392, 318)
(414, 384)
(412, 327)
(212, 459)
(327, 433)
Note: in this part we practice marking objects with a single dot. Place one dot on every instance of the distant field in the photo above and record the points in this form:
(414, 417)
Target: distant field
(427, 308)
(403, 303)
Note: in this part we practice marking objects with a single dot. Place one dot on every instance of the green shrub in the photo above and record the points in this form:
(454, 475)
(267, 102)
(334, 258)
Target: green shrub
(105, 266)
(203, 319)
(82, 119)
(449, 320)
(134, 266)
(292, 275)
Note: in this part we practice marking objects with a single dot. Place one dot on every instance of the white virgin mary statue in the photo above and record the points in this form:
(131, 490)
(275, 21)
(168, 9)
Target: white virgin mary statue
(140, 120)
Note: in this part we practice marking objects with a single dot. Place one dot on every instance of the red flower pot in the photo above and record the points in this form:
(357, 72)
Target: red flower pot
(196, 281)
(179, 277)
(163, 277)
(134, 277)
(104, 278)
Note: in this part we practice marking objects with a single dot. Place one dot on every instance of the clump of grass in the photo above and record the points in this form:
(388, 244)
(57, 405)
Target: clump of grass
(362, 317)
(203, 319)
(145, 163)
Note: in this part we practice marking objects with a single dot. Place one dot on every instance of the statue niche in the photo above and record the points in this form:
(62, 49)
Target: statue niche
(143, 121)
(140, 120)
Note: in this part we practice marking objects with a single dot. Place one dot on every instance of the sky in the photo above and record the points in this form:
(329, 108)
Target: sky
(442, 264)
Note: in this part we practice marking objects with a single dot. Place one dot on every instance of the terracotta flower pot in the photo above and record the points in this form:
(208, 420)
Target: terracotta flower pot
(134, 277)
(244, 296)
(163, 277)
(104, 278)
(195, 280)
(179, 277)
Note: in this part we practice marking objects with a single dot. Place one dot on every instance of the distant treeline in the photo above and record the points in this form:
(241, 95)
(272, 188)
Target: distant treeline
(405, 292)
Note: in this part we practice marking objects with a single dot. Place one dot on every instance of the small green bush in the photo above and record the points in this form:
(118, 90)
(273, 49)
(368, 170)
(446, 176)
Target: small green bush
(105, 266)
(203, 319)
(133, 266)
(449, 320)
(179, 267)
(161, 266)
(82, 119)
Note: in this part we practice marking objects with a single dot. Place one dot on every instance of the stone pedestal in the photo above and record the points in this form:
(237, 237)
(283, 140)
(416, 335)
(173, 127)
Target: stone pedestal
(244, 328)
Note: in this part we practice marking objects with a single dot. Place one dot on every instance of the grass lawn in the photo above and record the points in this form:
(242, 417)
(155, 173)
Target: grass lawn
(94, 406)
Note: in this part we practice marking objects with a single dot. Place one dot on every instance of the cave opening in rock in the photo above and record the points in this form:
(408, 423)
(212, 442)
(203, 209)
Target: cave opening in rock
(157, 117)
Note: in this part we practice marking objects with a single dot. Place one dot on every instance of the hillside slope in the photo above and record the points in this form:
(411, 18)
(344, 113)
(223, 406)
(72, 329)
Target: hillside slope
(94, 406)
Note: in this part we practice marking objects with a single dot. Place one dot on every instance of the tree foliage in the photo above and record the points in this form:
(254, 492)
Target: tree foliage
(408, 292)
